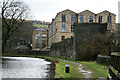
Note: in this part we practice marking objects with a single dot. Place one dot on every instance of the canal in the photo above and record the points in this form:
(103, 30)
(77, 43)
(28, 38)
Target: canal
(25, 67)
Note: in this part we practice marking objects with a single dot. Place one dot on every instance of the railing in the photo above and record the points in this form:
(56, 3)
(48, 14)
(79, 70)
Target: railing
(114, 68)
(105, 60)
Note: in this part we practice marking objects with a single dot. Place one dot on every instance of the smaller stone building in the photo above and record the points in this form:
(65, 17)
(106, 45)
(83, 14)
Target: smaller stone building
(39, 39)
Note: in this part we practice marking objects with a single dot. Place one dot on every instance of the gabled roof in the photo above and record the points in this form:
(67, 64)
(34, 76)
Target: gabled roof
(86, 11)
(67, 10)
(61, 12)
(106, 11)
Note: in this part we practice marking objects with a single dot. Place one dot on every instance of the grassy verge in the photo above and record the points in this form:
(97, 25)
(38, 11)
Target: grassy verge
(41, 25)
(98, 70)
(74, 72)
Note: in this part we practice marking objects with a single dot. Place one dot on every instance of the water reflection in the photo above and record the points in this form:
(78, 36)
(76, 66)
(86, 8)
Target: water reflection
(24, 67)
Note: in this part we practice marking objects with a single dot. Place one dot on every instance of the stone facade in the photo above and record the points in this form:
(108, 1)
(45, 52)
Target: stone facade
(40, 35)
(86, 14)
(111, 25)
(104, 19)
(61, 27)
(55, 29)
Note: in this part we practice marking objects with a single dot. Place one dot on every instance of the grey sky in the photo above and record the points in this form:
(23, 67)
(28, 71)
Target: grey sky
(45, 10)
(119, 13)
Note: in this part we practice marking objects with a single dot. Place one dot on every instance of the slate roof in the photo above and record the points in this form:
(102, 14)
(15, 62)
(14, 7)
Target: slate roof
(40, 29)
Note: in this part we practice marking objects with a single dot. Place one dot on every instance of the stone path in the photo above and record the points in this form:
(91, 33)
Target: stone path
(87, 74)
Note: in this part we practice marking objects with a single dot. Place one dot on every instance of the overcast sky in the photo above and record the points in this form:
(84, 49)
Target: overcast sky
(45, 10)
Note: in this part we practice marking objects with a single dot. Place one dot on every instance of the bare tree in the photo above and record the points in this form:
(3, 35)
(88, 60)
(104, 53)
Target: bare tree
(14, 13)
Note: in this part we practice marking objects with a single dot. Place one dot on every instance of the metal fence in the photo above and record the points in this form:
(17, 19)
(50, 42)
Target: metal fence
(114, 67)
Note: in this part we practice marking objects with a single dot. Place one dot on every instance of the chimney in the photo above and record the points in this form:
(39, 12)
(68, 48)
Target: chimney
(53, 19)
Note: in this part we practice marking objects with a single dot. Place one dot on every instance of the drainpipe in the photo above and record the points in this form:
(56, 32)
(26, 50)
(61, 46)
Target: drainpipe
(74, 46)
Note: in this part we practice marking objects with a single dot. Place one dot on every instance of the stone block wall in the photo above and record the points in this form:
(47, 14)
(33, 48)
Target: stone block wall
(64, 49)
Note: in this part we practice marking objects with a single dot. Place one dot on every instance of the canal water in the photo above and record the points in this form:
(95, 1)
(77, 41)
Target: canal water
(25, 67)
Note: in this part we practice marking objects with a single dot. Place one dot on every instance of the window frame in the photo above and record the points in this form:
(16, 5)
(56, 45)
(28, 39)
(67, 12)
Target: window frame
(73, 18)
(100, 19)
(62, 38)
(63, 28)
(72, 29)
(90, 18)
(109, 19)
(63, 17)
(82, 18)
